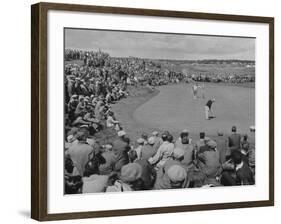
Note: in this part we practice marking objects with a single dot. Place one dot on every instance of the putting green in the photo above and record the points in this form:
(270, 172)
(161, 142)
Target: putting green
(175, 109)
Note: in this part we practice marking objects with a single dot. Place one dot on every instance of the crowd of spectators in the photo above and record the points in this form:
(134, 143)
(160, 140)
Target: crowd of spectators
(155, 160)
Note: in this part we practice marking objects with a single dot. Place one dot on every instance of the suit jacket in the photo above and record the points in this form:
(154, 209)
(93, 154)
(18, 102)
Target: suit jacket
(222, 147)
(120, 149)
(244, 175)
(234, 141)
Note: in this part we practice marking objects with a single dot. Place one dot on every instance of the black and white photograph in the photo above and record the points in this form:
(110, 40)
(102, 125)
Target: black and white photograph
(156, 111)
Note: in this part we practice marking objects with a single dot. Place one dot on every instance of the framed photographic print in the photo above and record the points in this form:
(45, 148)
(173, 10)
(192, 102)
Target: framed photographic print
(141, 111)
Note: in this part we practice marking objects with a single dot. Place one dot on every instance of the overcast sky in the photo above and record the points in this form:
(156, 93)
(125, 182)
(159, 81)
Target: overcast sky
(161, 46)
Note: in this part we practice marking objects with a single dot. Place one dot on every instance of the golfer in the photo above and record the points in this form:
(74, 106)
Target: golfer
(195, 91)
(208, 109)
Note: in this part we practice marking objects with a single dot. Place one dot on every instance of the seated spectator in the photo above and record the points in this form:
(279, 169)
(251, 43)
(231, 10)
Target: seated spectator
(129, 179)
(175, 177)
(110, 159)
(111, 122)
(95, 183)
(120, 149)
(72, 178)
(148, 172)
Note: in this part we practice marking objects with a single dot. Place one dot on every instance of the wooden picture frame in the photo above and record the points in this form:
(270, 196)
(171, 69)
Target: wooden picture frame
(39, 108)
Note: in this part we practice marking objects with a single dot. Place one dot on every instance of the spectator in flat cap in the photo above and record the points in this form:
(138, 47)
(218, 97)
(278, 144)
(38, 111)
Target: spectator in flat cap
(110, 160)
(209, 159)
(120, 148)
(148, 172)
(176, 159)
(129, 179)
(175, 177)
(94, 183)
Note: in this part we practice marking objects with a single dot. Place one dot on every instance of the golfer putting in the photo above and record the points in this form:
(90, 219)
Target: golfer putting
(209, 114)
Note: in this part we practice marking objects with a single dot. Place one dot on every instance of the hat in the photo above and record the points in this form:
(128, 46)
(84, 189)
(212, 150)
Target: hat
(151, 140)
(185, 130)
(252, 128)
(108, 146)
(220, 133)
(155, 133)
(140, 140)
(207, 139)
(176, 173)
(212, 144)
(131, 172)
(178, 153)
(70, 138)
(121, 133)
(84, 126)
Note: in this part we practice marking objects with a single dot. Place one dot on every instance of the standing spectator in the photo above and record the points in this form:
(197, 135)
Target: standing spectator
(184, 142)
(138, 150)
(164, 152)
(222, 146)
(157, 140)
(234, 140)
